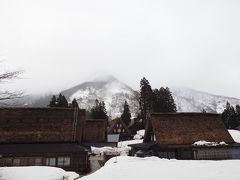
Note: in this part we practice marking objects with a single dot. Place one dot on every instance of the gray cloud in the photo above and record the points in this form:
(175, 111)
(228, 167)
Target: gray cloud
(176, 43)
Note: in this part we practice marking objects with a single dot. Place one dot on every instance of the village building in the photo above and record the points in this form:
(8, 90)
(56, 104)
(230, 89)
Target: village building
(187, 136)
(118, 131)
(95, 134)
(43, 137)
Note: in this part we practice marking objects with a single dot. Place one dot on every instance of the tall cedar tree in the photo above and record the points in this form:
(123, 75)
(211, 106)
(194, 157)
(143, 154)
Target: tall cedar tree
(74, 103)
(230, 116)
(53, 102)
(61, 101)
(145, 99)
(238, 114)
(99, 111)
(126, 115)
(163, 100)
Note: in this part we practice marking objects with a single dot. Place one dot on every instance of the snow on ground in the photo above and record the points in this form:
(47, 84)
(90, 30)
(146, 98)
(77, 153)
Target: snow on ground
(235, 135)
(35, 173)
(153, 168)
(122, 149)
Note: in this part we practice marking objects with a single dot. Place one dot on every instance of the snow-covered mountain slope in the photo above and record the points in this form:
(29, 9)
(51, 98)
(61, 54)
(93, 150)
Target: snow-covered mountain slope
(115, 92)
(189, 100)
(110, 90)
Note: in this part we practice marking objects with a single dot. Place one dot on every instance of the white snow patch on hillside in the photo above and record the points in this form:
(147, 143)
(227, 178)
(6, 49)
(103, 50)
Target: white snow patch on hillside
(189, 100)
(35, 173)
(114, 93)
(154, 168)
(235, 135)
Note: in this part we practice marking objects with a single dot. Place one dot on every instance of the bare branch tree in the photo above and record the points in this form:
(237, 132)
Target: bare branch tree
(9, 75)
(6, 95)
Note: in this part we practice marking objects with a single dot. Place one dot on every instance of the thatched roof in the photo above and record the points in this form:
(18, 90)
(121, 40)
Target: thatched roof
(187, 128)
(95, 130)
(33, 125)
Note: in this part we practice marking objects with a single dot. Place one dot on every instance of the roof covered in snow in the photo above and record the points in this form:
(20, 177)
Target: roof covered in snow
(187, 128)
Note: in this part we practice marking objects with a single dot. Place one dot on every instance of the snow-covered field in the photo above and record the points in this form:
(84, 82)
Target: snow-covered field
(35, 173)
(123, 167)
(153, 168)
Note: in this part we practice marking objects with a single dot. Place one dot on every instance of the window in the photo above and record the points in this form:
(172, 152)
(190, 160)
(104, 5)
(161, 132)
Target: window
(6, 161)
(123, 130)
(119, 131)
(16, 162)
(217, 153)
(120, 125)
(31, 161)
(64, 161)
(167, 155)
(38, 161)
(50, 161)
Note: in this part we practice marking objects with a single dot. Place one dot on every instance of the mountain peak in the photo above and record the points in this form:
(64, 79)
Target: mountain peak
(102, 77)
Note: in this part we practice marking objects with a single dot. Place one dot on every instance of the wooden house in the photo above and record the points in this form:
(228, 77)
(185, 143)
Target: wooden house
(43, 136)
(119, 129)
(177, 136)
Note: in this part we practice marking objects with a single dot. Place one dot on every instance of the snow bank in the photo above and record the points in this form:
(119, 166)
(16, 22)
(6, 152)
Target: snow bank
(35, 173)
(124, 144)
(154, 168)
(235, 135)
(139, 135)
(122, 149)
(205, 143)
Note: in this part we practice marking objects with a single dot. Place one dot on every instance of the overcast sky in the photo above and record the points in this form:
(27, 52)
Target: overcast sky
(183, 43)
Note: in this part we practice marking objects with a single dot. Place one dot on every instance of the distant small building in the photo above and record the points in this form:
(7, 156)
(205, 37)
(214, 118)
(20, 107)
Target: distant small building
(118, 129)
(177, 136)
(43, 137)
(95, 134)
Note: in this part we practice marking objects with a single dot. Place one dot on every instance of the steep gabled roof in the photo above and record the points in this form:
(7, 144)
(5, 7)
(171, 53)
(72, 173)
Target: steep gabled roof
(187, 128)
(113, 124)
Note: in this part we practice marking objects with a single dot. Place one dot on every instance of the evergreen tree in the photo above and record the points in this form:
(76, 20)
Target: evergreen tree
(145, 99)
(126, 115)
(230, 117)
(163, 101)
(61, 101)
(226, 115)
(74, 103)
(99, 111)
(95, 110)
(53, 102)
(238, 115)
(102, 111)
